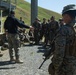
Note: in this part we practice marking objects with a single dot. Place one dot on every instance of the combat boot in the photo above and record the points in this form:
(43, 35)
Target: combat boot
(12, 60)
(18, 61)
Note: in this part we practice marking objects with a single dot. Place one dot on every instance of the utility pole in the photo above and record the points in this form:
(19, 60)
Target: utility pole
(34, 10)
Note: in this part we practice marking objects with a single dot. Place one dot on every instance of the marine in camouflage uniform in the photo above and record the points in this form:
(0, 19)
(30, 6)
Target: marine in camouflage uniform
(44, 31)
(53, 26)
(37, 28)
(64, 58)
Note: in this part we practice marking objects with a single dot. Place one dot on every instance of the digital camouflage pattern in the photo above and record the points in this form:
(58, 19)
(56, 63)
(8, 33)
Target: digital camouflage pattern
(64, 59)
(37, 28)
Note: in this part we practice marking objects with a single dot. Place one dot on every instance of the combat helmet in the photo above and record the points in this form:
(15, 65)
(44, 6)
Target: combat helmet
(68, 8)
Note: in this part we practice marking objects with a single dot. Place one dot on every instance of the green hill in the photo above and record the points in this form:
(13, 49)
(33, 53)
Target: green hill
(23, 9)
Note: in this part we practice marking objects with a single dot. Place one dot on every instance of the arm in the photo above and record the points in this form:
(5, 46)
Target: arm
(20, 24)
(59, 53)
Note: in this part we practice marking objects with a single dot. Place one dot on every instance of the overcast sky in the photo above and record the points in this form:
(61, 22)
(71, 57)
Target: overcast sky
(55, 5)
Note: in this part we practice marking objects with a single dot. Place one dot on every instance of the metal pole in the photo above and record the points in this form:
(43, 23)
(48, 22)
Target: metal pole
(34, 10)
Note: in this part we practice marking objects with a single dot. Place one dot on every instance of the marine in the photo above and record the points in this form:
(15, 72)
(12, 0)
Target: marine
(44, 31)
(53, 26)
(64, 57)
(36, 25)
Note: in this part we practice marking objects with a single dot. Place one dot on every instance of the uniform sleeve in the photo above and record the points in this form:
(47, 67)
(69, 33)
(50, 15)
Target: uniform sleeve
(60, 43)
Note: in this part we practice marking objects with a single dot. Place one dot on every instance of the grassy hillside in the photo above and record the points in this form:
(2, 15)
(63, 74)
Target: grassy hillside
(23, 10)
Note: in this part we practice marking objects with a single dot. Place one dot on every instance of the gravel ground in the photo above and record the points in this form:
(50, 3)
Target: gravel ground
(32, 57)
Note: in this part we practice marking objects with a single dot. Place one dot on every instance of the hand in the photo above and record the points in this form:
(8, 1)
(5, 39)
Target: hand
(31, 28)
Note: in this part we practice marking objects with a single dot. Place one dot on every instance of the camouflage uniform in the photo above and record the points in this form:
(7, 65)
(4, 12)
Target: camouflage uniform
(53, 26)
(37, 28)
(64, 58)
(45, 31)
(14, 42)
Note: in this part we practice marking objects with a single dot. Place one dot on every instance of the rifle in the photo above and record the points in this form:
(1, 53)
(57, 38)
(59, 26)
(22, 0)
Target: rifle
(50, 52)
(42, 63)
(46, 57)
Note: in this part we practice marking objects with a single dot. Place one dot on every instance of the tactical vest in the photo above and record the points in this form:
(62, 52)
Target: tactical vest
(71, 46)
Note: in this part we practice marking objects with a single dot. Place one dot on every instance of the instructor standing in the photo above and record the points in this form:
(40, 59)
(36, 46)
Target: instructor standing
(11, 28)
